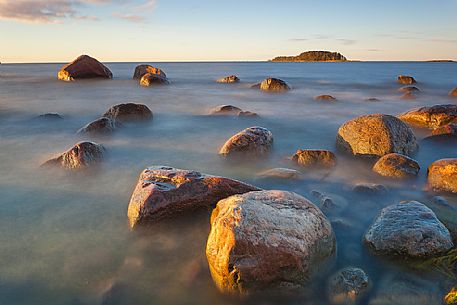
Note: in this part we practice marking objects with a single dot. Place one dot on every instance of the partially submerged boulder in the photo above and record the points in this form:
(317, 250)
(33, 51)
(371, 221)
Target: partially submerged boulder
(347, 286)
(442, 175)
(50, 116)
(406, 80)
(229, 79)
(141, 70)
(369, 188)
(150, 79)
(372, 99)
(376, 135)
(281, 173)
(314, 158)
(431, 116)
(226, 110)
(396, 166)
(408, 89)
(443, 133)
(453, 92)
(408, 96)
(84, 67)
(100, 126)
(82, 155)
(408, 229)
(129, 112)
(253, 142)
(274, 85)
(267, 241)
(325, 97)
(164, 192)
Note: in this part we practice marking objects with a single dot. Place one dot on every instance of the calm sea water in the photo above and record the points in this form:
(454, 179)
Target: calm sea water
(64, 238)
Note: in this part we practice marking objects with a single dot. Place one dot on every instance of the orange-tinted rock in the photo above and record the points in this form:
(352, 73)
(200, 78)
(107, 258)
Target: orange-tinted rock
(252, 142)
(449, 129)
(442, 175)
(267, 241)
(82, 155)
(325, 97)
(408, 96)
(314, 158)
(453, 92)
(396, 166)
(103, 125)
(274, 85)
(280, 173)
(150, 79)
(164, 192)
(432, 117)
(376, 135)
(406, 80)
(408, 89)
(229, 79)
(84, 67)
(144, 69)
(129, 112)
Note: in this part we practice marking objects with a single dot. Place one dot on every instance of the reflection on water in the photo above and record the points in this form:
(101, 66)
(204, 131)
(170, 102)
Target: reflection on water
(64, 237)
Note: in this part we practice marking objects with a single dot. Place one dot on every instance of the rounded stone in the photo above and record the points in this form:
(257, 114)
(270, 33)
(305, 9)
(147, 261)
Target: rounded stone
(253, 141)
(103, 125)
(281, 173)
(325, 97)
(84, 67)
(314, 158)
(82, 155)
(406, 80)
(347, 285)
(150, 79)
(442, 175)
(396, 166)
(129, 112)
(274, 84)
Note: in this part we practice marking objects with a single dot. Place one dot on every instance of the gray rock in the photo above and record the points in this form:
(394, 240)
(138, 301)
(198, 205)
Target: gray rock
(281, 173)
(100, 126)
(347, 286)
(129, 112)
(369, 188)
(252, 142)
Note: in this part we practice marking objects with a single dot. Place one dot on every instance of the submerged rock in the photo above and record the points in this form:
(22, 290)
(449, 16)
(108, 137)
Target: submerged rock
(103, 125)
(247, 114)
(453, 92)
(50, 116)
(314, 158)
(229, 79)
(408, 96)
(325, 97)
(274, 85)
(347, 286)
(406, 80)
(164, 192)
(442, 175)
(369, 188)
(408, 229)
(376, 135)
(129, 112)
(141, 70)
(372, 99)
(408, 89)
(281, 173)
(432, 117)
(252, 141)
(84, 67)
(396, 166)
(82, 155)
(150, 79)
(267, 241)
(226, 110)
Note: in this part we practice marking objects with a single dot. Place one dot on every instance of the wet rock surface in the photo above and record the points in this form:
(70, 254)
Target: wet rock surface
(443, 133)
(82, 155)
(253, 142)
(408, 229)
(396, 166)
(376, 135)
(84, 67)
(267, 241)
(129, 112)
(431, 116)
(314, 158)
(141, 70)
(229, 79)
(164, 192)
(274, 85)
(442, 175)
(101, 126)
(150, 79)
(406, 80)
(347, 285)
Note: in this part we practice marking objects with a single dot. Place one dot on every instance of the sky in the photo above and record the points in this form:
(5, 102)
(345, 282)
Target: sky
(235, 30)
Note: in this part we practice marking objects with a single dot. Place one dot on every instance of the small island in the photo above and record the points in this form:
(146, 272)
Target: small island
(311, 56)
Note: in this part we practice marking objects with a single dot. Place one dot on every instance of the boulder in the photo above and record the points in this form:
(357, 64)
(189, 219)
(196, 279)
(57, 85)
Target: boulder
(443, 133)
(252, 142)
(82, 155)
(84, 67)
(281, 173)
(442, 175)
(406, 80)
(396, 166)
(164, 192)
(274, 85)
(129, 112)
(229, 79)
(141, 70)
(408, 96)
(347, 286)
(50, 116)
(226, 110)
(453, 92)
(103, 125)
(408, 89)
(267, 241)
(376, 135)
(431, 117)
(325, 97)
(314, 158)
(446, 213)
(150, 79)
(408, 229)
(370, 189)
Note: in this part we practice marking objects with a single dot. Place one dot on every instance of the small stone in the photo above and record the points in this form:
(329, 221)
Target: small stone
(325, 97)
(369, 188)
(396, 166)
(408, 96)
(50, 116)
(453, 92)
(248, 114)
(229, 79)
(100, 126)
(372, 99)
(281, 173)
(314, 158)
(408, 89)
(226, 110)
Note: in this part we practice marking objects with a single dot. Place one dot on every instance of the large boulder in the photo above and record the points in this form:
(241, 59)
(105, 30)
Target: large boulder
(396, 166)
(164, 192)
(406, 80)
(229, 79)
(141, 70)
(442, 175)
(100, 126)
(376, 135)
(408, 229)
(84, 67)
(431, 117)
(129, 112)
(274, 85)
(82, 155)
(453, 92)
(267, 241)
(252, 142)
(347, 286)
(150, 79)
(314, 158)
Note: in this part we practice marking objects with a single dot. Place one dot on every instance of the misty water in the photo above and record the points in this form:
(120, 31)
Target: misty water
(64, 236)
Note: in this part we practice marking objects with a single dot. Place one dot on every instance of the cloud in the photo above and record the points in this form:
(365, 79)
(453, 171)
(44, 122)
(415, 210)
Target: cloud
(130, 17)
(298, 39)
(346, 41)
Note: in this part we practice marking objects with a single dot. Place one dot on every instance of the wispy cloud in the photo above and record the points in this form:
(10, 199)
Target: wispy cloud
(130, 17)
(344, 41)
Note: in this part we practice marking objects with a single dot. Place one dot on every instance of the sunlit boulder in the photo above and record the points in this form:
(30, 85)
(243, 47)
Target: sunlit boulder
(431, 116)
(442, 175)
(82, 155)
(84, 67)
(251, 142)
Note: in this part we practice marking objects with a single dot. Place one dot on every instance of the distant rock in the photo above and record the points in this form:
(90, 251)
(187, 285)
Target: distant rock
(129, 112)
(229, 79)
(408, 96)
(372, 99)
(408, 89)
(164, 192)
(267, 241)
(82, 155)
(376, 135)
(347, 286)
(312, 56)
(100, 126)
(406, 80)
(281, 173)
(453, 92)
(442, 175)
(314, 158)
(408, 229)
(150, 79)
(84, 67)
(396, 166)
(248, 114)
(274, 85)
(325, 97)
(50, 116)
(226, 110)
(431, 117)
(252, 142)
(141, 70)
